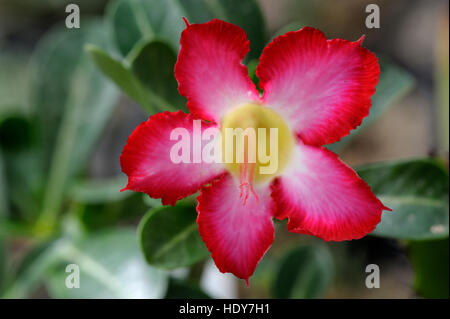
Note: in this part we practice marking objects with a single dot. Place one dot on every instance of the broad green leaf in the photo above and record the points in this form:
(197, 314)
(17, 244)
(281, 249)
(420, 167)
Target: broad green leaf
(73, 104)
(134, 20)
(183, 289)
(417, 192)
(153, 63)
(169, 237)
(394, 83)
(111, 266)
(305, 272)
(248, 16)
(129, 23)
(123, 77)
(430, 263)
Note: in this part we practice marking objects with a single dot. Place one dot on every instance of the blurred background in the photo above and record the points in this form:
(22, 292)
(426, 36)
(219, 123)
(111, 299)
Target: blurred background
(69, 99)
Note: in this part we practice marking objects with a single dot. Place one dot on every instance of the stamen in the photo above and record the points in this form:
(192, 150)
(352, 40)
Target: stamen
(276, 152)
(246, 173)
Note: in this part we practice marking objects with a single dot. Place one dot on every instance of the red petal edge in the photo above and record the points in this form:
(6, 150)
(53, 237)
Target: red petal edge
(324, 197)
(146, 160)
(237, 236)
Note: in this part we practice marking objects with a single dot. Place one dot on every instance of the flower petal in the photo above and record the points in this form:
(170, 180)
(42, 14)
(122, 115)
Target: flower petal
(237, 235)
(209, 69)
(324, 197)
(322, 86)
(147, 162)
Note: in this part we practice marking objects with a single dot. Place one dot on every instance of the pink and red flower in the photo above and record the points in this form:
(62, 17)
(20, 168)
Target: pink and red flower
(321, 88)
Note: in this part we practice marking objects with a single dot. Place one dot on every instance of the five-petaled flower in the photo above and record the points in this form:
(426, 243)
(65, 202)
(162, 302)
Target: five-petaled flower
(315, 91)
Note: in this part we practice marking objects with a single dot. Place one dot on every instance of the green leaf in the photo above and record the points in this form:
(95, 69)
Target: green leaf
(430, 261)
(183, 289)
(129, 23)
(169, 237)
(148, 32)
(73, 104)
(111, 266)
(153, 63)
(134, 20)
(248, 16)
(122, 76)
(304, 272)
(417, 192)
(394, 83)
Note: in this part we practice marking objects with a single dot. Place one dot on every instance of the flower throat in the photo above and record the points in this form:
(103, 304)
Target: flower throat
(257, 145)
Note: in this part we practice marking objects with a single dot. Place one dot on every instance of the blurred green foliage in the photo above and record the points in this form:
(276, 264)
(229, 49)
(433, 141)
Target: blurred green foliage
(181, 289)
(139, 20)
(430, 261)
(304, 272)
(129, 80)
(111, 266)
(53, 114)
(441, 74)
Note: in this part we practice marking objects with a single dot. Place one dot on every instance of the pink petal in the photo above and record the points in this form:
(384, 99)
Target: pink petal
(324, 197)
(237, 235)
(209, 69)
(146, 160)
(322, 86)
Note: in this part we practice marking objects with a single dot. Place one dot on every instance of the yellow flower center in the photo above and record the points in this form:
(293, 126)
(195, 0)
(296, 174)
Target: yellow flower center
(256, 143)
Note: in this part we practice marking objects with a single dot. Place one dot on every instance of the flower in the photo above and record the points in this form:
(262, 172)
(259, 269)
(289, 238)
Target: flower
(315, 91)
